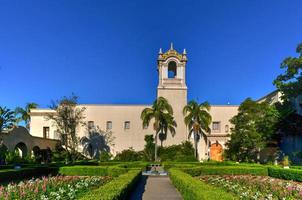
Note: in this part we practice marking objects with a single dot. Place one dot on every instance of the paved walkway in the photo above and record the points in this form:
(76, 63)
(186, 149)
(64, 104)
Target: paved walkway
(155, 188)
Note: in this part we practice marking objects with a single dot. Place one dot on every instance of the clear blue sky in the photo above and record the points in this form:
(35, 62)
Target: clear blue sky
(106, 51)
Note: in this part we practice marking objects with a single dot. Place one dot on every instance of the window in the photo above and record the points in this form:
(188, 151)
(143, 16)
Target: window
(216, 127)
(90, 124)
(127, 125)
(109, 125)
(226, 128)
(172, 72)
(45, 132)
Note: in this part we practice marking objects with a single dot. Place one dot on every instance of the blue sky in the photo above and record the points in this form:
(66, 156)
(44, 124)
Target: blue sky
(106, 51)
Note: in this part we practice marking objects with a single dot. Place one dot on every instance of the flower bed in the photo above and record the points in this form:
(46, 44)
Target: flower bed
(50, 188)
(256, 187)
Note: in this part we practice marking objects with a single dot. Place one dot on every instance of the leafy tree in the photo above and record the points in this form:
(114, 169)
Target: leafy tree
(183, 152)
(7, 118)
(254, 126)
(67, 118)
(96, 142)
(24, 113)
(198, 120)
(149, 148)
(290, 82)
(162, 114)
(129, 155)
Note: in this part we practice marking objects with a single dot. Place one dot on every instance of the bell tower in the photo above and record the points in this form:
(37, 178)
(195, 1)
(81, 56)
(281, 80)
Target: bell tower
(171, 67)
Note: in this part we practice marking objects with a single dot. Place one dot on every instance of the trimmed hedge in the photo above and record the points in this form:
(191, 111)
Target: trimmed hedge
(117, 189)
(92, 171)
(8, 175)
(194, 189)
(288, 174)
(226, 170)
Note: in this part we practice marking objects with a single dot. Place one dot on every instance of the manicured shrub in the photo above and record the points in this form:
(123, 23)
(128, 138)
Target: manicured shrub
(7, 175)
(92, 171)
(117, 189)
(129, 155)
(183, 152)
(194, 189)
(226, 170)
(288, 174)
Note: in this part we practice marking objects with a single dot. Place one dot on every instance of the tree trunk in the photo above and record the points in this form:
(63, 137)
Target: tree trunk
(195, 145)
(155, 149)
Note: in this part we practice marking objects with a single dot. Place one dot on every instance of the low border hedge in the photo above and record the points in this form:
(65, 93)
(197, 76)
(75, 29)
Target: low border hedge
(117, 189)
(226, 170)
(92, 171)
(8, 175)
(193, 189)
(288, 174)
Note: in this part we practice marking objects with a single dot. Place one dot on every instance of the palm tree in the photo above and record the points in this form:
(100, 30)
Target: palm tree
(24, 113)
(7, 118)
(162, 114)
(198, 120)
(96, 142)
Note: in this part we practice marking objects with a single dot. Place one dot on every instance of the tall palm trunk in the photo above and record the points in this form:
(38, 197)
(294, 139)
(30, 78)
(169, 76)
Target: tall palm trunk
(155, 149)
(195, 145)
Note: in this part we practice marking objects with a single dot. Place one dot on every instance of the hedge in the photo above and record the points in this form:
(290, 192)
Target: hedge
(7, 175)
(288, 174)
(226, 170)
(194, 189)
(117, 189)
(92, 171)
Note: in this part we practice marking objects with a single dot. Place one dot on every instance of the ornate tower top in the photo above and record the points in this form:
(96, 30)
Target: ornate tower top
(172, 53)
(171, 67)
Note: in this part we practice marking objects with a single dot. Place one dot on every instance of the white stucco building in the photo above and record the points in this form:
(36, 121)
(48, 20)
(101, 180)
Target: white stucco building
(124, 120)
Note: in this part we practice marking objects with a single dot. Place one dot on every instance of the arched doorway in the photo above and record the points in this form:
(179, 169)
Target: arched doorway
(36, 151)
(21, 148)
(216, 152)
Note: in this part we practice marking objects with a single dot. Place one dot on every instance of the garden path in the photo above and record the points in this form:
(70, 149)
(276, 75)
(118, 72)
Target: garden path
(155, 188)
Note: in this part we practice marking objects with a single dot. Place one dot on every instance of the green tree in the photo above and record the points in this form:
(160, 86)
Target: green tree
(162, 114)
(23, 114)
(67, 118)
(290, 82)
(254, 126)
(7, 118)
(197, 119)
(149, 148)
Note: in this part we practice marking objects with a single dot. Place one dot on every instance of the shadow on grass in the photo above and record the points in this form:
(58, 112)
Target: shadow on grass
(138, 191)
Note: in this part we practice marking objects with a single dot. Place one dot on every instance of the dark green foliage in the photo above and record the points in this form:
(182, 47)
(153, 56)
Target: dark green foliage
(183, 152)
(8, 175)
(290, 82)
(254, 126)
(117, 189)
(149, 148)
(7, 118)
(92, 171)
(194, 189)
(226, 170)
(129, 155)
(23, 114)
(288, 174)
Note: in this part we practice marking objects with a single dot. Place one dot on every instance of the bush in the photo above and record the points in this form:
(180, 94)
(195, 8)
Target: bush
(129, 155)
(183, 152)
(193, 189)
(288, 174)
(226, 170)
(91, 171)
(117, 189)
(7, 175)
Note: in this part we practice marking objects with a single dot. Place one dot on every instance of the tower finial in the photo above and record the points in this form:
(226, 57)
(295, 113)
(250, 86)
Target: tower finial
(184, 52)
(160, 51)
(171, 47)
